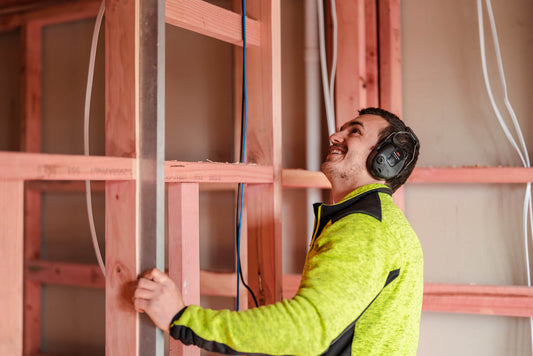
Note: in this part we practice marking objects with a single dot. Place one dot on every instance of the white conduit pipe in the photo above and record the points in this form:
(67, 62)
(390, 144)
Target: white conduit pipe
(312, 105)
(524, 157)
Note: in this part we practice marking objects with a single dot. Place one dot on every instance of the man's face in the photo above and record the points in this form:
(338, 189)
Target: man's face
(349, 150)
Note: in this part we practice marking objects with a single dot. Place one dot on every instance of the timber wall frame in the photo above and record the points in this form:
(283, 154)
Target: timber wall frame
(24, 175)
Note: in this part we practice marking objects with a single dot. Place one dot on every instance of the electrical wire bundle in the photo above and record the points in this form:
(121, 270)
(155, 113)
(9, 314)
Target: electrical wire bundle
(240, 190)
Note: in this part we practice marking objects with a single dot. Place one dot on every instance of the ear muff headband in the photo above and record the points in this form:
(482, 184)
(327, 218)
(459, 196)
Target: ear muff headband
(387, 159)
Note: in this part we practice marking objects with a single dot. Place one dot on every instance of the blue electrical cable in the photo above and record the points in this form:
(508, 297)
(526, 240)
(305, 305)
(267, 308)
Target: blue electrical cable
(240, 190)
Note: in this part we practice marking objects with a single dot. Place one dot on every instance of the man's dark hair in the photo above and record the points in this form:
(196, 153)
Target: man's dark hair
(404, 141)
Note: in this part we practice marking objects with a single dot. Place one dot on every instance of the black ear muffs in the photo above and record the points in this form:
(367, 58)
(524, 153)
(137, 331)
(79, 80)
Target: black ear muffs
(388, 159)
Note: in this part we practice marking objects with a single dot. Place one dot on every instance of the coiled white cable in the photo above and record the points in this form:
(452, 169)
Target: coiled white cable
(524, 157)
(90, 78)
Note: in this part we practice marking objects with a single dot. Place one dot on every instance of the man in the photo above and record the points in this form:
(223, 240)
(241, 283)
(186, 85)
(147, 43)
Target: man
(361, 288)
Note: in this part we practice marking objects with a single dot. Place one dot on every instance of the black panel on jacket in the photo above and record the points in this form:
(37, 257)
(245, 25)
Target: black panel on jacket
(366, 203)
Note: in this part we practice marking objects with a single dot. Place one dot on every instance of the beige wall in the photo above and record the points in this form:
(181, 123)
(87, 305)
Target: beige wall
(469, 233)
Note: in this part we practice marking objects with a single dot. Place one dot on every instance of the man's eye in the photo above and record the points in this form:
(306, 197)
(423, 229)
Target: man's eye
(355, 130)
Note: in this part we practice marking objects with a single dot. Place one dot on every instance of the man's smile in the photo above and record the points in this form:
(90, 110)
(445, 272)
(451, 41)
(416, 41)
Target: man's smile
(337, 149)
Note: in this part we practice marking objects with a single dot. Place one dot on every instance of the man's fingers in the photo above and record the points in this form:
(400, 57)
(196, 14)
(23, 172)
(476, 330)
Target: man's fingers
(146, 283)
(140, 304)
(143, 293)
(154, 274)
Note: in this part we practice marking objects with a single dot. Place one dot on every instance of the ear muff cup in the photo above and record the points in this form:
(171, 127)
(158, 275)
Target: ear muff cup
(386, 161)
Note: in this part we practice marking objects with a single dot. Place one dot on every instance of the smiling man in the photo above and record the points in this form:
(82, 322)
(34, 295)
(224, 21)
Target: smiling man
(362, 283)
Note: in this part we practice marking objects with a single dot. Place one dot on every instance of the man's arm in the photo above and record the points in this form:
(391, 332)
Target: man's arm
(158, 296)
(344, 271)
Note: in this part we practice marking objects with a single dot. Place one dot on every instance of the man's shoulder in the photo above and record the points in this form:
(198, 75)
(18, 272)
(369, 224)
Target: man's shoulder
(368, 203)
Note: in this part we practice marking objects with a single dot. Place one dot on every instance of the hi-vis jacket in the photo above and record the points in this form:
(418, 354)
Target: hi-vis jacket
(360, 293)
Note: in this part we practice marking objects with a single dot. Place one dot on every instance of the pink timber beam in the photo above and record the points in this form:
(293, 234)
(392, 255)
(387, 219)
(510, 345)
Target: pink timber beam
(390, 65)
(12, 266)
(299, 178)
(211, 20)
(264, 147)
(356, 84)
(51, 167)
(450, 298)
(62, 273)
(184, 249)
(52, 14)
(31, 127)
(390, 57)
(122, 322)
(471, 175)
(487, 300)
(28, 166)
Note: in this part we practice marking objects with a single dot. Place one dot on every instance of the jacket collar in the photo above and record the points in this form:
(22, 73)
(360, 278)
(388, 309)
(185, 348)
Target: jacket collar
(364, 189)
(327, 212)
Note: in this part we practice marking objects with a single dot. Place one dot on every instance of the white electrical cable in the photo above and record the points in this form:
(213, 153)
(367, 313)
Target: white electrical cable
(527, 208)
(324, 71)
(489, 89)
(333, 59)
(88, 92)
(503, 82)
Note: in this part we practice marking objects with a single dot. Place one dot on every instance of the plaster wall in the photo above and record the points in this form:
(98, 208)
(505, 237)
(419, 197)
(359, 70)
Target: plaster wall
(470, 233)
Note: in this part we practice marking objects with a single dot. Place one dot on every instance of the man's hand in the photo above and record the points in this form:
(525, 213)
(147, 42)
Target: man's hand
(157, 295)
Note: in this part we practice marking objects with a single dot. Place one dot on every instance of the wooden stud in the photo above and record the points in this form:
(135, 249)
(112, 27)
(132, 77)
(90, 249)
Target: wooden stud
(350, 86)
(264, 147)
(390, 66)
(390, 60)
(122, 322)
(371, 73)
(31, 141)
(121, 269)
(12, 266)
(210, 20)
(184, 249)
(32, 289)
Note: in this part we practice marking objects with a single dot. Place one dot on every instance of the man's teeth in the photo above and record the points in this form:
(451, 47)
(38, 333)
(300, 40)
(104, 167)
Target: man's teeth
(336, 150)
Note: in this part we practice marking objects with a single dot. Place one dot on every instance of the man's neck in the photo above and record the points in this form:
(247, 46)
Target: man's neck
(339, 192)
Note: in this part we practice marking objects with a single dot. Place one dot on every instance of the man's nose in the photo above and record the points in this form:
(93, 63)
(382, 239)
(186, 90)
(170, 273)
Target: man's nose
(336, 138)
